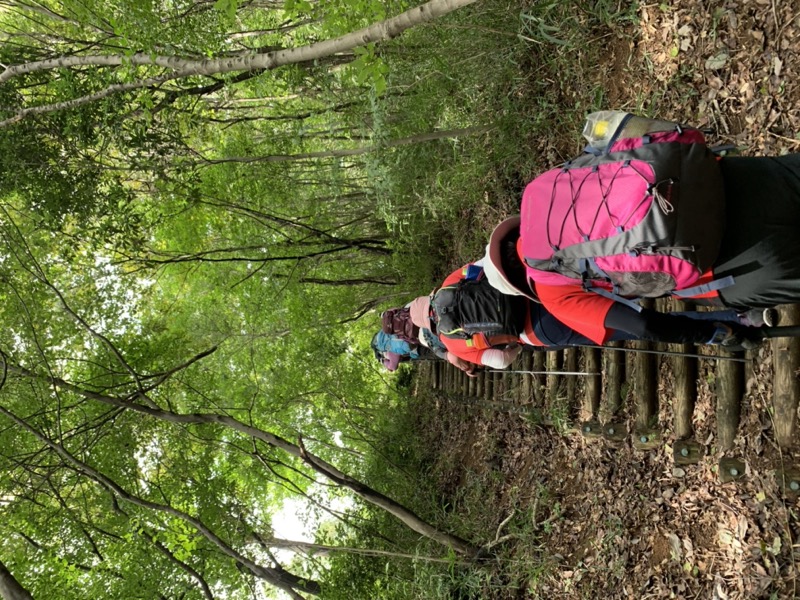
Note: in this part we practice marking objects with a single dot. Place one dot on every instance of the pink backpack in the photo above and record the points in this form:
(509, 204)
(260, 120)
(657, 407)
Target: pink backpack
(643, 217)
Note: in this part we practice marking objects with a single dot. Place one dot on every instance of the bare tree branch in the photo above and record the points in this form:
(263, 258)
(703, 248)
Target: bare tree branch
(276, 576)
(405, 515)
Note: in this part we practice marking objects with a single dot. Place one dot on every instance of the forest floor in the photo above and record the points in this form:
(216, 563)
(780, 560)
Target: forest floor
(598, 519)
(611, 521)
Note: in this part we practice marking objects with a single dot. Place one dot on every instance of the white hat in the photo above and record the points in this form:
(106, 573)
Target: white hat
(493, 260)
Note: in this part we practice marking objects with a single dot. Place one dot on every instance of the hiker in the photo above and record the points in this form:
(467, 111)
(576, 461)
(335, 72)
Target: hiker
(390, 350)
(399, 340)
(737, 219)
(495, 317)
(505, 271)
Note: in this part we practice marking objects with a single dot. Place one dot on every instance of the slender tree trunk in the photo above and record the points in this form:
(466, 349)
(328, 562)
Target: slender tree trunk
(10, 588)
(181, 67)
(177, 67)
(276, 576)
(342, 152)
(323, 550)
(405, 515)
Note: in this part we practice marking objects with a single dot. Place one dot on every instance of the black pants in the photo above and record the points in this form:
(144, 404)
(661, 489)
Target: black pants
(761, 244)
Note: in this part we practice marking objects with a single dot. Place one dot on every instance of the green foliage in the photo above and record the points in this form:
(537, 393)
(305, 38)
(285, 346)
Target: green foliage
(227, 8)
(368, 69)
(270, 216)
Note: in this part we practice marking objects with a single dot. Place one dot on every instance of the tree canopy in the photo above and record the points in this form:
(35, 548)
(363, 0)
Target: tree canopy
(191, 233)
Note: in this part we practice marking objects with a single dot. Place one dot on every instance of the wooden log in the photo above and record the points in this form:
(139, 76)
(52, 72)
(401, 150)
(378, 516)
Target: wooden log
(500, 386)
(645, 387)
(537, 381)
(592, 384)
(647, 435)
(480, 384)
(465, 385)
(618, 367)
(613, 378)
(525, 385)
(786, 390)
(615, 432)
(591, 426)
(554, 361)
(684, 369)
(430, 367)
(472, 386)
(788, 479)
(437, 369)
(488, 386)
(730, 469)
(647, 440)
(630, 366)
(729, 385)
(571, 382)
(687, 452)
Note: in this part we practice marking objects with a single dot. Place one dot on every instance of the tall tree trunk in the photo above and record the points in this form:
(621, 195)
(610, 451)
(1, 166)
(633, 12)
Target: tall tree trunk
(324, 550)
(181, 67)
(10, 588)
(178, 67)
(368, 494)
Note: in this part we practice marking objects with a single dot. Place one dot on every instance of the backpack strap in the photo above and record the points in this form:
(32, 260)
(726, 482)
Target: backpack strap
(704, 288)
(616, 297)
(614, 294)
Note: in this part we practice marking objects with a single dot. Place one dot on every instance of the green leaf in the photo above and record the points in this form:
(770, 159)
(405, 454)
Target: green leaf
(227, 7)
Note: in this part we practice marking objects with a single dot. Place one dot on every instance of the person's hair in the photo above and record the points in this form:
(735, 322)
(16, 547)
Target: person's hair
(511, 262)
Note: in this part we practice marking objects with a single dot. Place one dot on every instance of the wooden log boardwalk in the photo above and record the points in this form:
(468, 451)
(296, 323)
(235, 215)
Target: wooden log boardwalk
(621, 399)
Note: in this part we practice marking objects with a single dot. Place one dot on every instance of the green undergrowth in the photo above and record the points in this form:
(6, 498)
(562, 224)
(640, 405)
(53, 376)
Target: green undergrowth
(521, 76)
(514, 561)
(527, 74)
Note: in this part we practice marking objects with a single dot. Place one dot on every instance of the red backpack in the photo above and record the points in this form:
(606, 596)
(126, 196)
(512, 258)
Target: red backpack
(397, 322)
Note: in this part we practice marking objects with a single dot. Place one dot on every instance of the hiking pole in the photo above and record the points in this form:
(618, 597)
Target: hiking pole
(543, 372)
(686, 354)
(781, 331)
